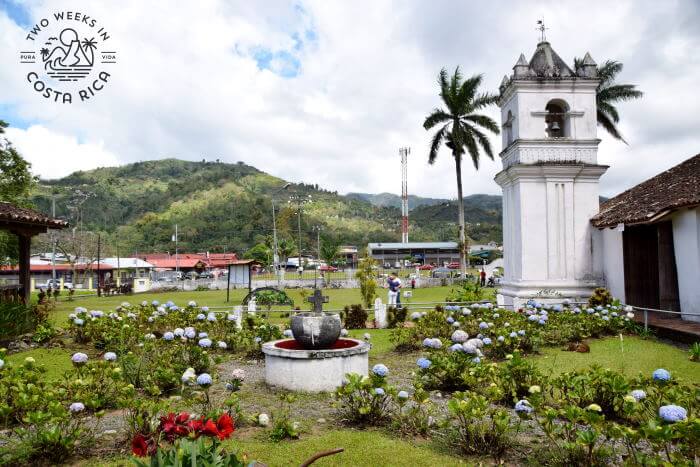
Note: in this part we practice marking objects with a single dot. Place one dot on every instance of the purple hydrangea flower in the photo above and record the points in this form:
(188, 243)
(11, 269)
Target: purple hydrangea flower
(76, 407)
(379, 391)
(110, 356)
(523, 406)
(486, 340)
(204, 379)
(672, 413)
(423, 363)
(638, 394)
(380, 370)
(661, 375)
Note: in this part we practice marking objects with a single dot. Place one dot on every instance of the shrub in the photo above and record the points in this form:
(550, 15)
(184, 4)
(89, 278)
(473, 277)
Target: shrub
(367, 276)
(283, 427)
(365, 400)
(476, 427)
(694, 352)
(15, 318)
(396, 316)
(405, 339)
(355, 317)
(44, 332)
(415, 415)
(468, 291)
(601, 296)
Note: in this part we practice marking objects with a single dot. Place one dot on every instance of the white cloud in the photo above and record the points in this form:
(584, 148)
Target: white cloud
(54, 155)
(192, 82)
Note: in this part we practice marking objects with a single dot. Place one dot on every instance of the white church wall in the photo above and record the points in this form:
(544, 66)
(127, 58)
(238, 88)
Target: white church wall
(686, 243)
(608, 254)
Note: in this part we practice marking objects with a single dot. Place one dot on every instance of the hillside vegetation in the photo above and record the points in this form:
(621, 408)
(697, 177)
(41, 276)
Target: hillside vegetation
(220, 206)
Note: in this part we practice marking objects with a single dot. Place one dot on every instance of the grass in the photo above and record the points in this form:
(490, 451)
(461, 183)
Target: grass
(338, 298)
(366, 447)
(631, 356)
(56, 361)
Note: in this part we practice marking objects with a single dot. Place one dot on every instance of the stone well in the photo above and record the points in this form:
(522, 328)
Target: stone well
(288, 365)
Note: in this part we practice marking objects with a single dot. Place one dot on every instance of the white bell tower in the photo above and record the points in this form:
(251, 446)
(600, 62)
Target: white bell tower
(549, 178)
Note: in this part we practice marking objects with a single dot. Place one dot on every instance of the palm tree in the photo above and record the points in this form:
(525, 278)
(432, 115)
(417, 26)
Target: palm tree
(461, 131)
(609, 93)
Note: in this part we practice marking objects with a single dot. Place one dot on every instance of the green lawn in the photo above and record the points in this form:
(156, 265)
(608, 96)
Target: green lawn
(338, 298)
(367, 447)
(631, 356)
(56, 361)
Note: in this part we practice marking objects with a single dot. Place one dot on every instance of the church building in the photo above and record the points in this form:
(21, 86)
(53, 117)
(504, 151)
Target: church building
(549, 178)
(558, 242)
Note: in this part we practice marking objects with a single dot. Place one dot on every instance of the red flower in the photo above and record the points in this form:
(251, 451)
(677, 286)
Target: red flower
(225, 426)
(143, 446)
(174, 426)
(209, 428)
(195, 426)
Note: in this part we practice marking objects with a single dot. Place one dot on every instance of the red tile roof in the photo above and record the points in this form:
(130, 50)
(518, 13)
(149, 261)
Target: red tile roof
(673, 189)
(14, 214)
(59, 267)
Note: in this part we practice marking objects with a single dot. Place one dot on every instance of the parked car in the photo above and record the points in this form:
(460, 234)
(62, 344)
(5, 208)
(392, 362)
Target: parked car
(54, 284)
(426, 267)
(328, 268)
(453, 265)
(206, 275)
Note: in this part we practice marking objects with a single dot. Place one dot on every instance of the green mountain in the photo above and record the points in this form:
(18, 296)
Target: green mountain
(224, 207)
(392, 200)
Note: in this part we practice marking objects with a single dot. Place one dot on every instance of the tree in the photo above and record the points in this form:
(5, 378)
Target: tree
(461, 131)
(330, 250)
(260, 253)
(285, 249)
(609, 93)
(16, 182)
(367, 274)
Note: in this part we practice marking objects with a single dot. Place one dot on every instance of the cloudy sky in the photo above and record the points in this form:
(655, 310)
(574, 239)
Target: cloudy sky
(327, 91)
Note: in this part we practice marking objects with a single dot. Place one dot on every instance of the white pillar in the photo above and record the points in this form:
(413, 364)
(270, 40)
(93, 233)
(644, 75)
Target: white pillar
(380, 313)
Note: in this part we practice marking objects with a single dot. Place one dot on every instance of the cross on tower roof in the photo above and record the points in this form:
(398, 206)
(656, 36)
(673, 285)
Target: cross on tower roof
(541, 28)
(318, 299)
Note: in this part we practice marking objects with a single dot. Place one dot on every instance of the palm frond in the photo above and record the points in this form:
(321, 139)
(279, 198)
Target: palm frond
(609, 110)
(473, 149)
(483, 121)
(483, 141)
(483, 100)
(619, 92)
(608, 71)
(468, 89)
(438, 137)
(443, 81)
(605, 121)
(438, 116)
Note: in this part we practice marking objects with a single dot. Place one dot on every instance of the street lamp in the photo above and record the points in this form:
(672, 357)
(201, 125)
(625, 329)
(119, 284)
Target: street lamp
(275, 254)
(317, 229)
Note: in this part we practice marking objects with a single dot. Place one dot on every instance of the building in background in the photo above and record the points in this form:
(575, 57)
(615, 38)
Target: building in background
(394, 255)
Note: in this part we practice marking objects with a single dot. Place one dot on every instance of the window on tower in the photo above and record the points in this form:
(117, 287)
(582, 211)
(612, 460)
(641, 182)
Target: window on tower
(508, 128)
(557, 119)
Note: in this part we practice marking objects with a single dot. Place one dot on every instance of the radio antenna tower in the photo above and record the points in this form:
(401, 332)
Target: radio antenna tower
(404, 152)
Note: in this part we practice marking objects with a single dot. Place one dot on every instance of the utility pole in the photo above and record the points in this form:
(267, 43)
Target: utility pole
(317, 229)
(404, 152)
(99, 291)
(299, 201)
(275, 253)
(53, 242)
(177, 258)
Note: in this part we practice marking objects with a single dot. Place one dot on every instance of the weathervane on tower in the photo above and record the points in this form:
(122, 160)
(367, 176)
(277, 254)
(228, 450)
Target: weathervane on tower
(541, 28)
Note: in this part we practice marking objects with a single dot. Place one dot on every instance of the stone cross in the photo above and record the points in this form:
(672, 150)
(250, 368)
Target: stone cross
(318, 299)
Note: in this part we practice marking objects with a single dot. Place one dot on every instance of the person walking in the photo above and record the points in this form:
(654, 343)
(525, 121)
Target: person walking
(392, 290)
(483, 277)
(397, 286)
